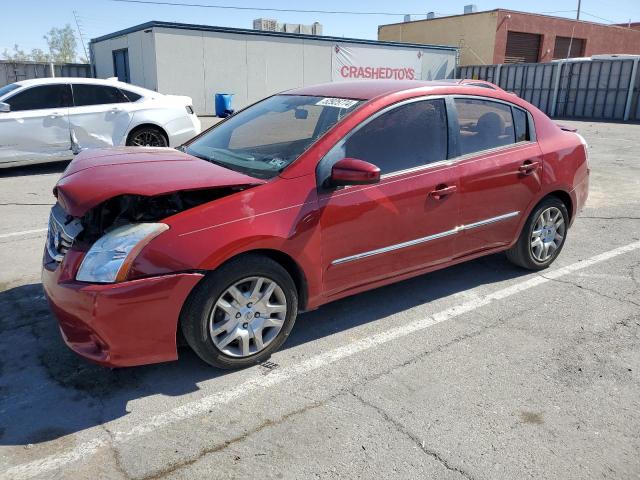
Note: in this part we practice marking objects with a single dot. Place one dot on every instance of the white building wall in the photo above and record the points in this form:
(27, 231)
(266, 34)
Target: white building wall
(202, 63)
(142, 58)
(180, 64)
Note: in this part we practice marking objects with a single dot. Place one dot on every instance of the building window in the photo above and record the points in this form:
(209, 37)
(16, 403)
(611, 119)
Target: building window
(562, 48)
(522, 47)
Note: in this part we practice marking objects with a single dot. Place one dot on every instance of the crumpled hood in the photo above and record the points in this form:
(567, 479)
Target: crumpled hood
(98, 175)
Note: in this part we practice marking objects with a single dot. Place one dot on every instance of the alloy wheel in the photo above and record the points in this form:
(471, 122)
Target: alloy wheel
(548, 234)
(148, 138)
(248, 316)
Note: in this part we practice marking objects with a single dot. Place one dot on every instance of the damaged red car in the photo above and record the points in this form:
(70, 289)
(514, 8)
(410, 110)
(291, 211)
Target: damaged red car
(298, 200)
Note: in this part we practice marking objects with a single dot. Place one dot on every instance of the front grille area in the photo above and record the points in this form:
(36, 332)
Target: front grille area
(63, 230)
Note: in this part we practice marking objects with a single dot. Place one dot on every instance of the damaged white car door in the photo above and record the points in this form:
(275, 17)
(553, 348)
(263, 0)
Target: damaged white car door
(99, 117)
(34, 126)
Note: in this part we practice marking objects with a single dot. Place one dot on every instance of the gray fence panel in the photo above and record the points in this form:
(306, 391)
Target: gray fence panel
(635, 104)
(15, 71)
(478, 72)
(597, 89)
(534, 82)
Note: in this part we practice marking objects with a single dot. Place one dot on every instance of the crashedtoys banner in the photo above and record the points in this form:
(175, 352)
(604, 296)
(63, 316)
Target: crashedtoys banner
(362, 63)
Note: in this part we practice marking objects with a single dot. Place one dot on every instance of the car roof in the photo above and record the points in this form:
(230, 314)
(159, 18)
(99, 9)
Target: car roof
(53, 80)
(369, 89)
(113, 81)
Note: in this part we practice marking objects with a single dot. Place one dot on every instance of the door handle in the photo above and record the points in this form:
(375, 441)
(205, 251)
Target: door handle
(115, 109)
(442, 191)
(55, 115)
(528, 167)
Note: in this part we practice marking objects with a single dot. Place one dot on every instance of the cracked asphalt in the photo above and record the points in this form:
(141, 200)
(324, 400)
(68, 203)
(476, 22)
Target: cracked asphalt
(479, 371)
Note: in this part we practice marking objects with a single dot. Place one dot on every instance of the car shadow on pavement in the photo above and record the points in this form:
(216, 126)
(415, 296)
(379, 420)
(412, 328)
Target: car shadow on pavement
(47, 392)
(35, 169)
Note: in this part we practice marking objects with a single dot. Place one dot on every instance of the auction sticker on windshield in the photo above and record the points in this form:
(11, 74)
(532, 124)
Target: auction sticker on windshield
(337, 102)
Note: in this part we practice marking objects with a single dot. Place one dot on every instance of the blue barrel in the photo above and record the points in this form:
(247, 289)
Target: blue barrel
(223, 104)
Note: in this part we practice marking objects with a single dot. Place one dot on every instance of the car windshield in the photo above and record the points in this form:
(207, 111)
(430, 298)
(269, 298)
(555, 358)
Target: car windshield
(265, 138)
(8, 88)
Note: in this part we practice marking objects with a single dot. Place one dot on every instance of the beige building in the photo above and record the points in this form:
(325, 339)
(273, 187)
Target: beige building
(507, 36)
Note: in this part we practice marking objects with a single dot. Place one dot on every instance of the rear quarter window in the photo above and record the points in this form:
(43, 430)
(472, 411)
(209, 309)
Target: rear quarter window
(521, 125)
(131, 96)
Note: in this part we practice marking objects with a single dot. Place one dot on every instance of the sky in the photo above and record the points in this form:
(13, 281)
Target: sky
(26, 21)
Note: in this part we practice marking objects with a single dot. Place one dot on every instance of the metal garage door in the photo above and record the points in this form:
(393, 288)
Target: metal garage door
(522, 47)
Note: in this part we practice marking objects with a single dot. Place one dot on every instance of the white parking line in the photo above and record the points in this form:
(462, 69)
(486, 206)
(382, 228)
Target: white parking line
(259, 381)
(25, 232)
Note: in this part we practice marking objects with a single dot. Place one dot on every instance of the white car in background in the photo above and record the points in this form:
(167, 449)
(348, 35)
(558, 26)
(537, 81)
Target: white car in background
(51, 119)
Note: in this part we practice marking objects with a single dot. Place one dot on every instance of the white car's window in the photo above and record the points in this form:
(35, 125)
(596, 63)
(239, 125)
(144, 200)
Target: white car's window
(44, 96)
(484, 124)
(131, 96)
(85, 94)
(8, 88)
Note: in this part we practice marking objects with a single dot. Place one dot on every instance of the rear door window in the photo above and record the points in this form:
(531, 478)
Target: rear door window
(484, 125)
(85, 94)
(41, 97)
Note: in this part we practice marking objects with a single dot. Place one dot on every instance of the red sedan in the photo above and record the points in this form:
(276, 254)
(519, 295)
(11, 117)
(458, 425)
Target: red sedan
(298, 200)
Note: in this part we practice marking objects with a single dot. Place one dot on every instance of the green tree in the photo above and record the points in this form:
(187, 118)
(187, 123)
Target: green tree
(62, 47)
(62, 44)
(17, 55)
(39, 55)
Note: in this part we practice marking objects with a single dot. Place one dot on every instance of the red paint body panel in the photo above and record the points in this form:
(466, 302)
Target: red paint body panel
(492, 185)
(290, 216)
(397, 210)
(117, 325)
(96, 176)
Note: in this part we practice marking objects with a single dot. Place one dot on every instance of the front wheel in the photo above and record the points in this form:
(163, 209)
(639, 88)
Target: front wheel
(542, 237)
(240, 313)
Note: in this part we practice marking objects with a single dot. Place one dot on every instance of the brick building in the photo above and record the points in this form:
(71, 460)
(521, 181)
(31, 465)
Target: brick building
(507, 36)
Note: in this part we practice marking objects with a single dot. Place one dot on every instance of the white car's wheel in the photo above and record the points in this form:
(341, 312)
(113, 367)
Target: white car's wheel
(147, 137)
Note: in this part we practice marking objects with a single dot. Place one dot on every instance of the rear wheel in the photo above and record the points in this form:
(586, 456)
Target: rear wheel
(241, 313)
(147, 137)
(542, 237)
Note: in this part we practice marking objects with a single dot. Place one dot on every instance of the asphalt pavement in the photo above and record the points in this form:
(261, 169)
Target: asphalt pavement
(479, 371)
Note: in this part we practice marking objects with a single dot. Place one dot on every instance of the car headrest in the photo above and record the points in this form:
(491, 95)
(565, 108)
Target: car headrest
(491, 124)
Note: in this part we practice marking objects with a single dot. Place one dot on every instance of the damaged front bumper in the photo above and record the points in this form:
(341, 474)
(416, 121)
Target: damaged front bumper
(121, 324)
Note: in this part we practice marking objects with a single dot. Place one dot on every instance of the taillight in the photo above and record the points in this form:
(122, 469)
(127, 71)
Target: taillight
(189, 109)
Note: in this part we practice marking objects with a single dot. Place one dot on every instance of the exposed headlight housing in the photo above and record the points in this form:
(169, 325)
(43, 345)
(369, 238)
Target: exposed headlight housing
(109, 258)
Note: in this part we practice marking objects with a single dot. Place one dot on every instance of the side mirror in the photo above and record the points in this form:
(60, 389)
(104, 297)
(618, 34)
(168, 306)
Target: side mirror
(5, 107)
(351, 171)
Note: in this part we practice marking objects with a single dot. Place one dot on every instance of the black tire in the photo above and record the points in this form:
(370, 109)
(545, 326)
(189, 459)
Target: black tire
(521, 253)
(195, 314)
(147, 136)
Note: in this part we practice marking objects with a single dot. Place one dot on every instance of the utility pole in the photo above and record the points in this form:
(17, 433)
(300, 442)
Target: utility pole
(75, 17)
(573, 29)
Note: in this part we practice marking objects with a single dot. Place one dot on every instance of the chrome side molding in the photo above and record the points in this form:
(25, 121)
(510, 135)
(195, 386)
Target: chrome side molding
(418, 241)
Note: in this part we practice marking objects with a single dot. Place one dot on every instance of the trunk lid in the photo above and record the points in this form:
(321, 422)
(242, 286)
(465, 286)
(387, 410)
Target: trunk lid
(95, 176)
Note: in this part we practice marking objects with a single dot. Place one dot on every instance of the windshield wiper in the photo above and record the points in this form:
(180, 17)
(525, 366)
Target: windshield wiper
(207, 159)
(239, 156)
